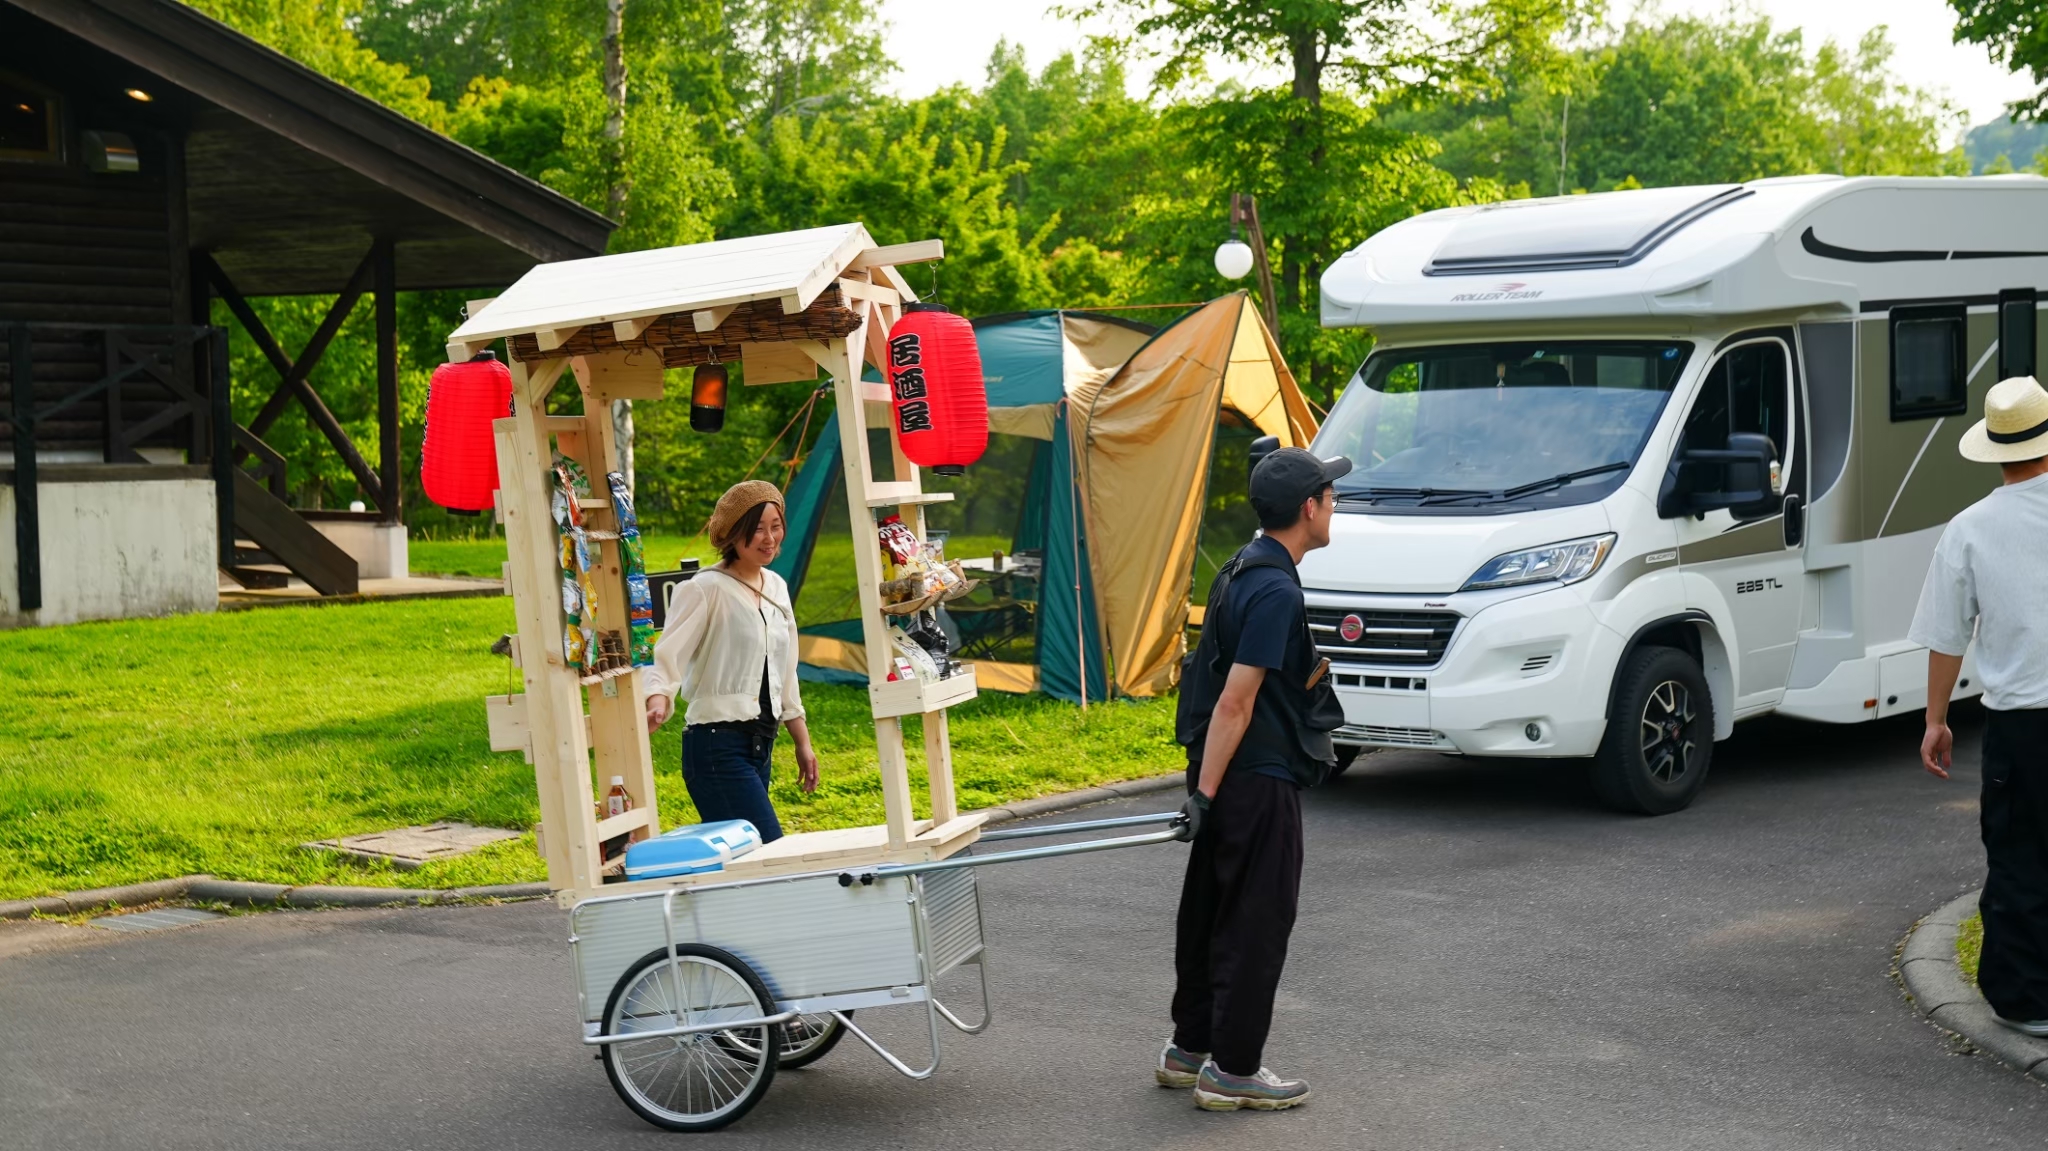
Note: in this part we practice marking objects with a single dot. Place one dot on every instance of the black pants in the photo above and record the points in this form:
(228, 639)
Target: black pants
(2014, 970)
(1236, 911)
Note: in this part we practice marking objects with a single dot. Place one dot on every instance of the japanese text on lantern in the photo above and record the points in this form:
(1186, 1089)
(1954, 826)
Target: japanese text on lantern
(913, 412)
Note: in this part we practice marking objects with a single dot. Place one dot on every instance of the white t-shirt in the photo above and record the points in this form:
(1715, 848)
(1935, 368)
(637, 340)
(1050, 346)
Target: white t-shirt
(1989, 578)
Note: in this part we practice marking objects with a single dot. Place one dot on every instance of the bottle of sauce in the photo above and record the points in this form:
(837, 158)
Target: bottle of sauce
(616, 801)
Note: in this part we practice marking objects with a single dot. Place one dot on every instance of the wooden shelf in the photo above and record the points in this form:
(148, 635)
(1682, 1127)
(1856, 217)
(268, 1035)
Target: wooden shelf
(895, 495)
(618, 825)
(844, 847)
(915, 697)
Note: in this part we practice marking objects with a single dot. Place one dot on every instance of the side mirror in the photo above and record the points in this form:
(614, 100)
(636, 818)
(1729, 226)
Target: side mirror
(1740, 477)
(1261, 448)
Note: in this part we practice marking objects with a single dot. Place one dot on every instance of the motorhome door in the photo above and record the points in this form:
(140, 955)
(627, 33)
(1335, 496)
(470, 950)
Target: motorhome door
(1755, 560)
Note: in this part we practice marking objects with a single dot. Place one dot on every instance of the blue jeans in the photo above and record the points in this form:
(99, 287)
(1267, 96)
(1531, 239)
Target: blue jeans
(726, 771)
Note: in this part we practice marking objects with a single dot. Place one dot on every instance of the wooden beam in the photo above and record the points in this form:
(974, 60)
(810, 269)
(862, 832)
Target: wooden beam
(709, 319)
(550, 339)
(891, 255)
(626, 331)
(634, 375)
(294, 372)
(385, 296)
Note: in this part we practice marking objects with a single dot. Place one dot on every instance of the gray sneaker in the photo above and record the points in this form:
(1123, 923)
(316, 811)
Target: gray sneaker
(1179, 1068)
(1218, 1090)
(2037, 1027)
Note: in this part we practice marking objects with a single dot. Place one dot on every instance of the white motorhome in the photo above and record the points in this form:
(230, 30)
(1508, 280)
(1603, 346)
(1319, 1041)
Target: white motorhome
(1632, 467)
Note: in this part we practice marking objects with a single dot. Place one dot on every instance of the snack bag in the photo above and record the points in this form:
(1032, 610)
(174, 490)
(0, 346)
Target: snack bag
(633, 566)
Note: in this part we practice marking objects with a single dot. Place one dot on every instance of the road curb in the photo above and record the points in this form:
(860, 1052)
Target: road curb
(207, 889)
(1927, 966)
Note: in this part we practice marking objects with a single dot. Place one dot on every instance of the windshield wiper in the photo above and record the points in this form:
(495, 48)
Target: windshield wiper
(1372, 495)
(1536, 486)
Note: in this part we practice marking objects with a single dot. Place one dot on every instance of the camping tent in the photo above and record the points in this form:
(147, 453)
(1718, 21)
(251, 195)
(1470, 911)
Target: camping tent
(1127, 422)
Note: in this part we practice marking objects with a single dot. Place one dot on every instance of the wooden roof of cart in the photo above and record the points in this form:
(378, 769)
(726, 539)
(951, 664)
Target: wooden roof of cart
(694, 303)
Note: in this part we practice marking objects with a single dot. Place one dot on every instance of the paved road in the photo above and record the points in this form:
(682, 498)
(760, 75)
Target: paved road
(1483, 961)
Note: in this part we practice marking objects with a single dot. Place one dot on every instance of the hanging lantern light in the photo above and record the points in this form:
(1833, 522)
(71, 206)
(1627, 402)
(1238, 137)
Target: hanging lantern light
(936, 385)
(707, 398)
(1233, 259)
(459, 460)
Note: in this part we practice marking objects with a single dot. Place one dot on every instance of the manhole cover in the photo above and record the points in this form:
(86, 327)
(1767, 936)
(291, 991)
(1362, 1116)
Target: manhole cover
(156, 919)
(407, 848)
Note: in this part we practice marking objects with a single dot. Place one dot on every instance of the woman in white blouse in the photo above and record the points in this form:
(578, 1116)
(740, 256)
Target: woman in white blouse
(730, 649)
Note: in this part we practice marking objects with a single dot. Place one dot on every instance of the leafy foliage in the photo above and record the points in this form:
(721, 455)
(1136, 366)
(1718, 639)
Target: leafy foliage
(1059, 186)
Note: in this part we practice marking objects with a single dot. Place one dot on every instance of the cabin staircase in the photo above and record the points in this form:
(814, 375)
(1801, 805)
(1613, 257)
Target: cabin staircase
(273, 543)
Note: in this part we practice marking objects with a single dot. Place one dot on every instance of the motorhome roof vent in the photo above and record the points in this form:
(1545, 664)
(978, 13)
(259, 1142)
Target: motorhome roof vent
(1564, 233)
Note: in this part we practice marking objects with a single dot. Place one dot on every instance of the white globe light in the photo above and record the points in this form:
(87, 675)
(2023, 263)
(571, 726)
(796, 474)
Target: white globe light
(1233, 259)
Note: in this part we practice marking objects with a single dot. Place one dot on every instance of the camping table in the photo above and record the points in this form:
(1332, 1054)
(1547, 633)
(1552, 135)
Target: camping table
(684, 989)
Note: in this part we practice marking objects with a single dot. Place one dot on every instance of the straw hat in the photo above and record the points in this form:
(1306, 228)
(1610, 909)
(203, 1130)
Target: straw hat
(2015, 424)
(737, 501)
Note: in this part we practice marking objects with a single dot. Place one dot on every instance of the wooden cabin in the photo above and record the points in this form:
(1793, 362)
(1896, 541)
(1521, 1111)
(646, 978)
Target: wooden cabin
(153, 160)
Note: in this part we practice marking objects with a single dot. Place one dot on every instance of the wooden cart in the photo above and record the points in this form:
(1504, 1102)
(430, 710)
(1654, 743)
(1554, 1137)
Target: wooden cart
(695, 989)
(783, 306)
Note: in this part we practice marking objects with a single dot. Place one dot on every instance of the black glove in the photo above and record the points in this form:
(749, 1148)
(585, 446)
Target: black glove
(1193, 814)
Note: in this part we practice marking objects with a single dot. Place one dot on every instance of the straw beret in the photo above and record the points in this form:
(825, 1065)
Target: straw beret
(737, 501)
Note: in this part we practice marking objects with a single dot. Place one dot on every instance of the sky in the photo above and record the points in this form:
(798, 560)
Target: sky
(940, 42)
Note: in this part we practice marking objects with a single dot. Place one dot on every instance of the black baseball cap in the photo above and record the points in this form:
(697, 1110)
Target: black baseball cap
(1287, 476)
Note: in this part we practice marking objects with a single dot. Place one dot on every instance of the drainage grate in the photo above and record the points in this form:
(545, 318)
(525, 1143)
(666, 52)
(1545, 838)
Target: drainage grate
(156, 920)
(409, 848)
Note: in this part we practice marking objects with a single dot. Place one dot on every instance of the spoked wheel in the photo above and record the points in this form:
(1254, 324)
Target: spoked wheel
(1668, 746)
(700, 1081)
(805, 1040)
(1660, 734)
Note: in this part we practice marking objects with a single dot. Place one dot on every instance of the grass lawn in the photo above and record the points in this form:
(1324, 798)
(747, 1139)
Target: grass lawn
(144, 749)
(1970, 946)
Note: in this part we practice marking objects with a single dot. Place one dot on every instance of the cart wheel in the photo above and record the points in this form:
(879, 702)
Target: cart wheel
(692, 1082)
(805, 1040)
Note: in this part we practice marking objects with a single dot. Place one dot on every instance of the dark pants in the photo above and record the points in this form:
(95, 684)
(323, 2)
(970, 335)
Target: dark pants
(2014, 971)
(1236, 911)
(726, 770)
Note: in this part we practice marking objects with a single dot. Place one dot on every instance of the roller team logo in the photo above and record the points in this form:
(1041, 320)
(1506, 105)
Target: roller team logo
(1508, 291)
(1351, 628)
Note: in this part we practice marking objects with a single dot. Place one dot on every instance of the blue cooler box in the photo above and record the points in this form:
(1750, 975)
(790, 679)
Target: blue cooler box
(690, 850)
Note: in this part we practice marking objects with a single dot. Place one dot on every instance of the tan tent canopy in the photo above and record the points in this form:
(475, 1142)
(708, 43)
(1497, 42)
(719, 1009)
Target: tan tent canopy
(1144, 439)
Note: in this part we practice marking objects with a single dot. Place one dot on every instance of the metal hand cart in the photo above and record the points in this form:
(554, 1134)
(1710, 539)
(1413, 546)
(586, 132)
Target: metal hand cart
(686, 990)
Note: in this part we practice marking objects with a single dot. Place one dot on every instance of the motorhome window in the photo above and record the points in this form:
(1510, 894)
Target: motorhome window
(1747, 390)
(1465, 427)
(1927, 362)
(2016, 333)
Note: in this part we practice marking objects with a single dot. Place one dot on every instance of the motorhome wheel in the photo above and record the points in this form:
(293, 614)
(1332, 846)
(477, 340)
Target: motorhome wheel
(1660, 734)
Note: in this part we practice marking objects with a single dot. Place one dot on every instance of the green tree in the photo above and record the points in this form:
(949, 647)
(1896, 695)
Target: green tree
(2016, 33)
(1688, 101)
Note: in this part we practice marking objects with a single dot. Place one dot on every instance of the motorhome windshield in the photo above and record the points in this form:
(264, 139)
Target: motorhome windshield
(1476, 428)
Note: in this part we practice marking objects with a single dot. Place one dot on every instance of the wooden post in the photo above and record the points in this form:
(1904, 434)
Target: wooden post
(389, 506)
(554, 698)
(843, 360)
(28, 532)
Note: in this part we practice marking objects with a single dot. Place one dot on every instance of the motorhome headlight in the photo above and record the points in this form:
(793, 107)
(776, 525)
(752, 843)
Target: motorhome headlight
(1568, 562)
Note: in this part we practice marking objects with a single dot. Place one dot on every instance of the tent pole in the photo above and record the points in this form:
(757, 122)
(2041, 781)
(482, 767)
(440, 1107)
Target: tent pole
(1074, 520)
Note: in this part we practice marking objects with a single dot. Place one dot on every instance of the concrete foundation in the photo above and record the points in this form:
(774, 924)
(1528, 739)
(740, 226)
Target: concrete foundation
(117, 542)
(378, 549)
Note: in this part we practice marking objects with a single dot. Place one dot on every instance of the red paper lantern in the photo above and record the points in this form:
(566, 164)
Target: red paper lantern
(459, 461)
(935, 375)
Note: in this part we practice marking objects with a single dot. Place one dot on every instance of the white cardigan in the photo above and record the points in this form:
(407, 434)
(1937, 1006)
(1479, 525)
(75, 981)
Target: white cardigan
(718, 642)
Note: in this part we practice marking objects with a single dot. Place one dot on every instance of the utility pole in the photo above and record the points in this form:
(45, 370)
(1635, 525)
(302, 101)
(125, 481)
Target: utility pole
(1244, 210)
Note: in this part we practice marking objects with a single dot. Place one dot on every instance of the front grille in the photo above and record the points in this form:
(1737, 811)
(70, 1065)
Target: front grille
(1389, 736)
(1407, 638)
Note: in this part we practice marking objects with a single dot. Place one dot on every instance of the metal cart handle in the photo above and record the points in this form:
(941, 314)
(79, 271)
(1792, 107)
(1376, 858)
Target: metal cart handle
(867, 875)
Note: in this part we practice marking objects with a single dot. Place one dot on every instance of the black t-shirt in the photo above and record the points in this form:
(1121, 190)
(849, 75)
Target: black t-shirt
(1260, 622)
